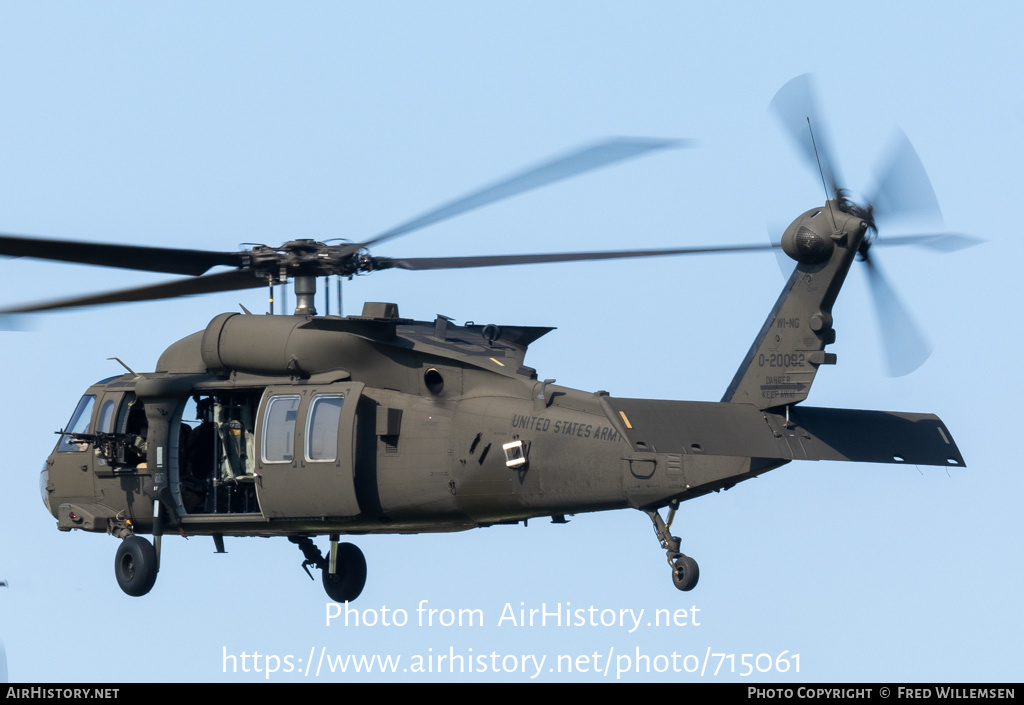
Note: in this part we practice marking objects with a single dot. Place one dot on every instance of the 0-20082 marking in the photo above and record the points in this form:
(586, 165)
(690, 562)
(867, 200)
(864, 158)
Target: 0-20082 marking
(781, 360)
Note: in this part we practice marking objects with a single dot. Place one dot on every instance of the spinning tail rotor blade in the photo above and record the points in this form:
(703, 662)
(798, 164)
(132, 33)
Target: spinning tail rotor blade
(905, 346)
(903, 191)
(903, 188)
(939, 242)
(796, 108)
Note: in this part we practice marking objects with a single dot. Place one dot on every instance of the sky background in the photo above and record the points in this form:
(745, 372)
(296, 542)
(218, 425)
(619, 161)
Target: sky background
(212, 124)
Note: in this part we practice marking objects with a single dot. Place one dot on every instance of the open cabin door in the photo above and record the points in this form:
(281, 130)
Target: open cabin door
(305, 451)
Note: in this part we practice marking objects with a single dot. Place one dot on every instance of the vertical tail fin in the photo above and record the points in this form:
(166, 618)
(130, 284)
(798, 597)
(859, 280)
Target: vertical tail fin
(784, 358)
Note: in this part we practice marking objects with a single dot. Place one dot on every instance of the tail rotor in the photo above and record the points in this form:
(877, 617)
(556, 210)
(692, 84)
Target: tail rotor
(903, 193)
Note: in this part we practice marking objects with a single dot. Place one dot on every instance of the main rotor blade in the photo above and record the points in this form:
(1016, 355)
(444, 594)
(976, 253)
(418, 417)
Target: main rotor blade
(903, 187)
(211, 283)
(945, 242)
(786, 264)
(572, 164)
(168, 260)
(796, 108)
(905, 346)
(425, 263)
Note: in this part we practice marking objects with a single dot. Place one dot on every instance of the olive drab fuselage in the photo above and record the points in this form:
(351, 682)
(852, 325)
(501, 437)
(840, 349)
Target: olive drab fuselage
(434, 428)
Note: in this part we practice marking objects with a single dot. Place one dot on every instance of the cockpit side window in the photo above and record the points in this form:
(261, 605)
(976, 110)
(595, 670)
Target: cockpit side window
(79, 423)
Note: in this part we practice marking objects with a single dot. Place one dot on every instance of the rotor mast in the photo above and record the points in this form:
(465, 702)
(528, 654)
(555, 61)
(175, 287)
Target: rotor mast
(305, 292)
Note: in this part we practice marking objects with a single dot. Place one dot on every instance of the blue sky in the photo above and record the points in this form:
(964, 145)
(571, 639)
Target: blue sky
(208, 125)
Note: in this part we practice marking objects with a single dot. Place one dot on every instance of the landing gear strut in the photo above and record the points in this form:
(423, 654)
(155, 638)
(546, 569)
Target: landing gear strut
(344, 574)
(685, 571)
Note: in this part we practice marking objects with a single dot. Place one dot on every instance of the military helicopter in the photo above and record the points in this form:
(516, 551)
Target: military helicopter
(306, 425)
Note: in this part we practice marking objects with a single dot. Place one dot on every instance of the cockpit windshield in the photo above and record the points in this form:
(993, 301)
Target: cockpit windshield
(79, 423)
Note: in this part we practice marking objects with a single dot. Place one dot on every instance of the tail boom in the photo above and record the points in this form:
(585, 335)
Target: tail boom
(804, 433)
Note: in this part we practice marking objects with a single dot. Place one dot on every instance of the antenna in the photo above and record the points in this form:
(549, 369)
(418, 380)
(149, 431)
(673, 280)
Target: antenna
(828, 198)
(136, 374)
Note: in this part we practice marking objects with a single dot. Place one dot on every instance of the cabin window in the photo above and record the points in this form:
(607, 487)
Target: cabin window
(322, 428)
(79, 423)
(279, 430)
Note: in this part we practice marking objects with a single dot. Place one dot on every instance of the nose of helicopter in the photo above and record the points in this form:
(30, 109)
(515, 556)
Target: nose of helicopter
(44, 487)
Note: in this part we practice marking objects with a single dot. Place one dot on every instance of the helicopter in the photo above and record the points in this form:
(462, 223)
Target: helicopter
(305, 425)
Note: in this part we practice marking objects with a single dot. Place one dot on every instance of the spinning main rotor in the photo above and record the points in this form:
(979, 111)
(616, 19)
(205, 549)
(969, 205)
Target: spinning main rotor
(903, 189)
(305, 260)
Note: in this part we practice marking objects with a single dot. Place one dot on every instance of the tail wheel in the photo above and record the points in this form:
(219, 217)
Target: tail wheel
(347, 582)
(135, 566)
(685, 573)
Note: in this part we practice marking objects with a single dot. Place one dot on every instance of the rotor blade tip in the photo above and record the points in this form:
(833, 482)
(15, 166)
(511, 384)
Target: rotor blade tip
(906, 365)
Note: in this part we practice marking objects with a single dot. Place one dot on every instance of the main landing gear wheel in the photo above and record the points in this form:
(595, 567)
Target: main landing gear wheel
(135, 566)
(345, 584)
(685, 573)
(349, 576)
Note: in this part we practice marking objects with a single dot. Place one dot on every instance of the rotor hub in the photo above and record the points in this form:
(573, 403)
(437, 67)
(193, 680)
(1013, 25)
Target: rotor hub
(812, 238)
